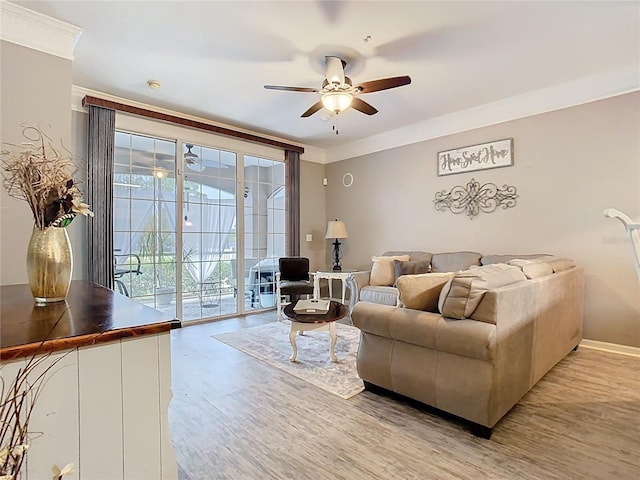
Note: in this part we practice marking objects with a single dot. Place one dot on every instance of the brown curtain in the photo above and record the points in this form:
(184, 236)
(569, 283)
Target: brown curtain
(292, 188)
(102, 123)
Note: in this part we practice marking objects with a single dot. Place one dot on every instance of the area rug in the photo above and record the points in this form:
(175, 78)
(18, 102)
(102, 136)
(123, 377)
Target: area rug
(270, 343)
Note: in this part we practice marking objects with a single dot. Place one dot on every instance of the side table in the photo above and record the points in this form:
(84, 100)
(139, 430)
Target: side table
(342, 275)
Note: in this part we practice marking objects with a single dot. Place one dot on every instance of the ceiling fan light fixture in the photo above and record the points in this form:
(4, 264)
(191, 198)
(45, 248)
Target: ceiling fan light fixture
(337, 101)
(192, 159)
(189, 153)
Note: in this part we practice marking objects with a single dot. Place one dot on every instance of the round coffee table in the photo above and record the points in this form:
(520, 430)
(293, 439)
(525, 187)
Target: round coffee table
(305, 322)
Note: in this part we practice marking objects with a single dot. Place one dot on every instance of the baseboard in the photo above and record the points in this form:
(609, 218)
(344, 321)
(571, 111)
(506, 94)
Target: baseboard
(611, 347)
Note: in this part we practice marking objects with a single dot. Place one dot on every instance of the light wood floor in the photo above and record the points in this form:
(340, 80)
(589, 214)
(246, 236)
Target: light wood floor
(235, 417)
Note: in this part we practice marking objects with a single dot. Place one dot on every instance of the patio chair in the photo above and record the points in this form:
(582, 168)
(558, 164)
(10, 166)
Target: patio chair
(130, 268)
(249, 292)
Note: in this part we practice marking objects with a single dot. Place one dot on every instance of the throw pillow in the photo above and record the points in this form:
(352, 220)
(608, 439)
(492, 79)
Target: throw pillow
(421, 292)
(532, 268)
(462, 294)
(411, 267)
(382, 273)
(491, 259)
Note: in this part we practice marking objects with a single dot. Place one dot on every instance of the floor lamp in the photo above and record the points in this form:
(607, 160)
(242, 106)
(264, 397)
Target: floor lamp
(336, 229)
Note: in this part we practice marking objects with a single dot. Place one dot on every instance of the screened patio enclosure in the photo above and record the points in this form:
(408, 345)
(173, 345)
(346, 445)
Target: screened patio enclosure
(178, 228)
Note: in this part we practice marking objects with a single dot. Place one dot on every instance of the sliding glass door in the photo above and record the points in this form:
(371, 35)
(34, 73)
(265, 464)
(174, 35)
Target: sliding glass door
(208, 232)
(144, 204)
(180, 223)
(264, 227)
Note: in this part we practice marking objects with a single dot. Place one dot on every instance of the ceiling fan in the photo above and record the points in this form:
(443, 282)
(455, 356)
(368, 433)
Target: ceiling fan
(192, 160)
(338, 92)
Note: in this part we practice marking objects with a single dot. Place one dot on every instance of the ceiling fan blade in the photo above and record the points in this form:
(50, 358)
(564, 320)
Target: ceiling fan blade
(291, 89)
(383, 84)
(334, 68)
(363, 106)
(312, 109)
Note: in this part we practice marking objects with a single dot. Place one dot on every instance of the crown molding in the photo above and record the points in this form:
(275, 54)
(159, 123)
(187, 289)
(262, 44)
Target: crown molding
(40, 32)
(584, 90)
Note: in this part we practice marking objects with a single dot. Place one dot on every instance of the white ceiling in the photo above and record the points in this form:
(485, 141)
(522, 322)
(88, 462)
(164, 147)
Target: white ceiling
(213, 58)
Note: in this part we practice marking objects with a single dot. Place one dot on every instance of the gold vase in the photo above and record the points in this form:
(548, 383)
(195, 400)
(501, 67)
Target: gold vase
(49, 264)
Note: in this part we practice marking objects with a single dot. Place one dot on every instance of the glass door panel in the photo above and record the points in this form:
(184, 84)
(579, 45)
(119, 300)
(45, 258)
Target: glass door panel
(208, 225)
(144, 199)
(264, 227)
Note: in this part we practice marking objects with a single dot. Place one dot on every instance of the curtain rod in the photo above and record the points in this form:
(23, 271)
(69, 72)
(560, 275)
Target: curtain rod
(143, 112)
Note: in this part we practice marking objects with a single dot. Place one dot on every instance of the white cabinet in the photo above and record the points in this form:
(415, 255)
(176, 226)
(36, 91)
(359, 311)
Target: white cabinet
(104, 408)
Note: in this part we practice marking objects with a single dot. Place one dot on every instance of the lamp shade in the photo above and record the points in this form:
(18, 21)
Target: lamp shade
(336, 229)
(336, 101)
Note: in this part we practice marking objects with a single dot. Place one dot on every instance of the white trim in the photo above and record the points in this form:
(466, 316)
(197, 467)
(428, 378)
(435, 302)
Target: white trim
(311, 154)
(314, 154)
(584, 90)
(156, 128)
(40, 32)
(611, 347)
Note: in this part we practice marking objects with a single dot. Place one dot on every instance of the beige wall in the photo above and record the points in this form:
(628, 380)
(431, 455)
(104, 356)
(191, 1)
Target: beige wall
(35, 90)
(569, 166)
(313, 215)
(78, 230)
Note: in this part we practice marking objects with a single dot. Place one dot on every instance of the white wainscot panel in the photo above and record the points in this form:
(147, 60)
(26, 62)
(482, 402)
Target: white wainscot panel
(100, 383)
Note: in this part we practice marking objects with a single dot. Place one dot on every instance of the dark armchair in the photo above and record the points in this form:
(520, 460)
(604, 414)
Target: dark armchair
(293, 279)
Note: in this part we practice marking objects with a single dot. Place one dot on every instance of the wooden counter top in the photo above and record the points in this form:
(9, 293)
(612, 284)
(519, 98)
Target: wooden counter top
(90, 315)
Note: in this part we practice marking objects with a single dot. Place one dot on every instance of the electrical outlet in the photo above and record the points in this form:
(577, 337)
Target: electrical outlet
(309, 237)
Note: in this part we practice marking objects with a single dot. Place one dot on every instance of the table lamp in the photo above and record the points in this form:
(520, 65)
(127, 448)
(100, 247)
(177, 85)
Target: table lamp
(336, 229)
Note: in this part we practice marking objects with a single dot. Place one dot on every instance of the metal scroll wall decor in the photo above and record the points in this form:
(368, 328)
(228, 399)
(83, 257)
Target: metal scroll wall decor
(475, 198)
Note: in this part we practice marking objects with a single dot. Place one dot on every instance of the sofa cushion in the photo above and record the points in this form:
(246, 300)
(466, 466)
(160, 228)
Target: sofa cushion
(532, 268)
(380, 294)
(421, 292)
(382, 269)
(414, 255)
(411, 267)
(560, 264)
(491, 259)
(455, 261)
(462, 294)
(545, 265)
(466, 338)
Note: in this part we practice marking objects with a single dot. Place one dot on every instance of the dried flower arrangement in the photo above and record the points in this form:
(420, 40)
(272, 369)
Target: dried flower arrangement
(42, 175)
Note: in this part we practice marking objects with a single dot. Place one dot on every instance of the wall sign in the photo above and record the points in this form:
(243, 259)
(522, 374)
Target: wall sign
(476, 157)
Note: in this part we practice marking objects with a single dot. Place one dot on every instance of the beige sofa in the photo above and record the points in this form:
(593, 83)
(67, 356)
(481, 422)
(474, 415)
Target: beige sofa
(502, 327)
